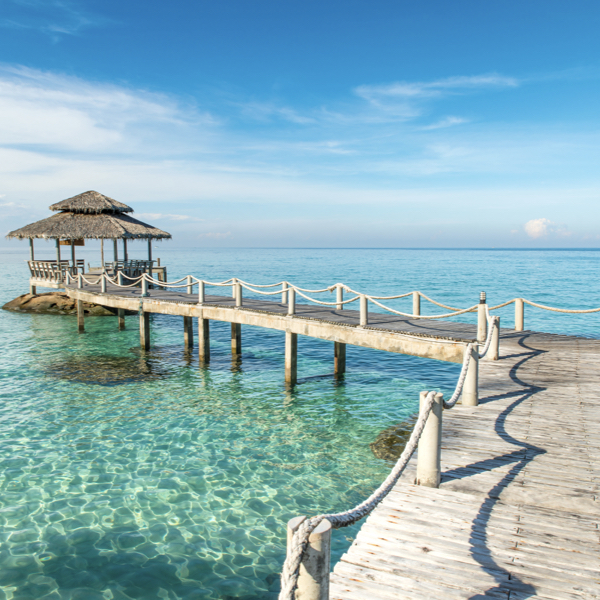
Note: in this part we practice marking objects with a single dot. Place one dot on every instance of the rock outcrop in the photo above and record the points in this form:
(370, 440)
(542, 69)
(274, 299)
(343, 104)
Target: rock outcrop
(390, 443)
(55, 303)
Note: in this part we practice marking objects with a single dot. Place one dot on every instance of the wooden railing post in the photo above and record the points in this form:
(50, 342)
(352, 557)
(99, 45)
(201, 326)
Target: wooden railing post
(313, 581)
(364, 311)
(103, 282)
(144, 287)
(470, 393)
(494, 351)
(481, 319)
(339, 292)
(80, 281)
(201, 291)
(284, 292)
(519, 314)
(292, 301)
(120, 277)
(430, 444)
(190, 287)
(238, 295)
(416, 298)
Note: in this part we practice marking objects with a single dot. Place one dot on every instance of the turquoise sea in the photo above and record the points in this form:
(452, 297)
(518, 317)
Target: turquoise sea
(143, 476)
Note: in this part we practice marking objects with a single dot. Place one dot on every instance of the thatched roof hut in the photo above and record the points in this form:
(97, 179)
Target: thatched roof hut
(90, 215)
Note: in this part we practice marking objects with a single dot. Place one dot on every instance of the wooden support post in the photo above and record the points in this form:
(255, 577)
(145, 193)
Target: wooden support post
(430, 444)
(115, 251)
(125, 256)
(58, 255)
(80, 316)
(150, 251)
(481, 319)
(188, 333)
(470, 393)
(313, 581)
(291, 357)
(145, 330)
(32, 289)
(102, 252)
(121, 315)
(519, 314)
(284, 292)
(416, 303)
(236, 339)
(31, 253)
(339, 297)
(73, 261)
(203, 340)
(339, 358)
(364, 311)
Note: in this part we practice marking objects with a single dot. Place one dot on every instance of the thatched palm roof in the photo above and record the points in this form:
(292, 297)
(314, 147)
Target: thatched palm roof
(91, 203)
(74, 226)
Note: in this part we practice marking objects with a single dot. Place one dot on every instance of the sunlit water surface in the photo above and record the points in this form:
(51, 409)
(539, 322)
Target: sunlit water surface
(131, 475)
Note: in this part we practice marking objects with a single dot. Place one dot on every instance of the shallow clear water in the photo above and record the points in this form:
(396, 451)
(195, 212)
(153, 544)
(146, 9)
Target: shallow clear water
(130, 475)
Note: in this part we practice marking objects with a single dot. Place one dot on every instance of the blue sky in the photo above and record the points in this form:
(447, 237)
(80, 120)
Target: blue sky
(284, 123)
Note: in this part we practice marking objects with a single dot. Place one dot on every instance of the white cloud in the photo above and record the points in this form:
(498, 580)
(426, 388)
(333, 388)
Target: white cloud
(540, 228)
(446, 122)
(167, 217)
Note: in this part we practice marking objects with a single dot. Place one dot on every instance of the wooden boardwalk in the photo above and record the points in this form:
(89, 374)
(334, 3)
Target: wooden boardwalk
(518, 510)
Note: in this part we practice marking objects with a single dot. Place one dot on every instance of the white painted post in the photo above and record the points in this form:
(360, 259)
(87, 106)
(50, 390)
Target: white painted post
(284, 292)
(339, 297)
(470, 393)
(144, 286)
(430, 444)
(416, 303)
(103, 281)
(494, 352)
(80, 281)
(238, 295)
(190, 287)
(313, 581)
(364, 311)
(481, 319)
(120, 277)
(519, 314)
(292, 301)
(201, 292)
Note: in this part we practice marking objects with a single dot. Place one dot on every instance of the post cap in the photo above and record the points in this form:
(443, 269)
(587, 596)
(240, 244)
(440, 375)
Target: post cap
(482, 298)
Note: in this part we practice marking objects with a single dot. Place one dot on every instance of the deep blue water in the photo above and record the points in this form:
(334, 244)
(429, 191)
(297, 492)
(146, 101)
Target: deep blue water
(127, 475)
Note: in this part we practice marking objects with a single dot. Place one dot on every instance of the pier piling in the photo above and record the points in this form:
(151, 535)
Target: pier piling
(203, 340)
(291, 357)
(188, 333)
(236, 339)
(80, 317)
(121, 317)
(145, 330)
(339, 358)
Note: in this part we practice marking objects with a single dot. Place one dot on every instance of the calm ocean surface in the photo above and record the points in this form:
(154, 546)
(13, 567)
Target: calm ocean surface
(130, 476)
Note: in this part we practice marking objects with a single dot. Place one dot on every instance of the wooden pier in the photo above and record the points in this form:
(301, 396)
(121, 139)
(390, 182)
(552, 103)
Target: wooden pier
(518, 509)
(517, 512)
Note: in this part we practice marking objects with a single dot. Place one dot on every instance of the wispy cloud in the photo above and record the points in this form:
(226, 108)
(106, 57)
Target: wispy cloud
(445, 122)
(167, 217)
(56, 18)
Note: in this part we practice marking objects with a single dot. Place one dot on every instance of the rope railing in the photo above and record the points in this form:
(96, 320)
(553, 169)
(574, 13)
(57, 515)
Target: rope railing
(298, 544)
(287, 289)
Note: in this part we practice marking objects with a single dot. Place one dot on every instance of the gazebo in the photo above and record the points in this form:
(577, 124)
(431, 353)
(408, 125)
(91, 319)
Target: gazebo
(90, 215)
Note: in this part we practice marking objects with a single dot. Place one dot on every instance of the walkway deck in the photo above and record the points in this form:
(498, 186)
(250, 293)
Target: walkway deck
(518, 511)
(443, 340)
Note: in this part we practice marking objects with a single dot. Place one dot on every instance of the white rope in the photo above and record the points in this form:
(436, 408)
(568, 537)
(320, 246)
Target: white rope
(299, 542)
(397, 312)
(254, 285)
(492, 323)
(391, 297)
(503, 304)
(325, 303)
(437, 303)
(561, 310)
(275, 293)
(461, 378)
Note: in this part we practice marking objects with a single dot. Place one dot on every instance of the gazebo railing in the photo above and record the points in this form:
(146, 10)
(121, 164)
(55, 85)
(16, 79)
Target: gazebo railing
(51, 271)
